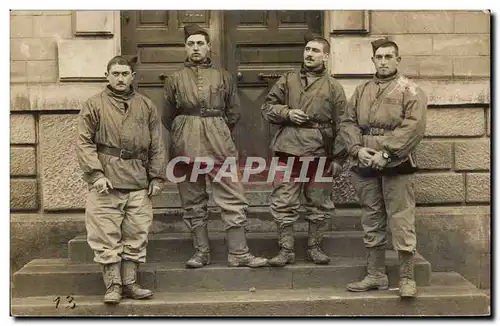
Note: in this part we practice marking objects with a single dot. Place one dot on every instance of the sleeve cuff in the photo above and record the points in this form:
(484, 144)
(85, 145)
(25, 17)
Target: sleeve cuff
(354, 150)
(286, 114)
(96, 176)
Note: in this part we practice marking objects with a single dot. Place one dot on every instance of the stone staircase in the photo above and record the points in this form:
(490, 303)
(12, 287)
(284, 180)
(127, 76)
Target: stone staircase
(302, 289)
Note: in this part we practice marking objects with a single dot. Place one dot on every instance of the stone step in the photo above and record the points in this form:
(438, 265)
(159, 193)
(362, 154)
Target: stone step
(257, 194)
(60, 277)
(448, 295)
(259, 220)
(178, 247)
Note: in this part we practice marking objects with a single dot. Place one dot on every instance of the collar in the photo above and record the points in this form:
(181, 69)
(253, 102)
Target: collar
(317, 72)
(207, 63)
(380, 80)
(120, 96)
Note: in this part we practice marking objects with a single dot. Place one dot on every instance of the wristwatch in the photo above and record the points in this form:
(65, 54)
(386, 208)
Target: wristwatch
(386, 156)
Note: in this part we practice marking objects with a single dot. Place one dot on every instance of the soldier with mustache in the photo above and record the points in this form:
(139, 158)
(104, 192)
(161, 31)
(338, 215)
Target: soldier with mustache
(121, 151)
(306, 104)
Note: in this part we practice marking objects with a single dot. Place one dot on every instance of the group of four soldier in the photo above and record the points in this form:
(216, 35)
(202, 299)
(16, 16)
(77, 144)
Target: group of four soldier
(121, 152)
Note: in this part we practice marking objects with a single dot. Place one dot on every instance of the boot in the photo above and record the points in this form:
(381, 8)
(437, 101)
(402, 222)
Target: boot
(201, 242)
(407, 284)
(113, 282)
(286, 243)
(314, 252)
(239, 254)
(130, 287)
(376, 278)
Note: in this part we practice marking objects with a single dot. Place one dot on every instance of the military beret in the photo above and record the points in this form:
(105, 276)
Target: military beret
(193, 29)
(309, 36)
(381, 41)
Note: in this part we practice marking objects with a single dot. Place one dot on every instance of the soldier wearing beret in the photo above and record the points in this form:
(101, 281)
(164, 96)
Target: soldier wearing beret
(121, 152)
(201, 110)
(384, 123)
(306, 104)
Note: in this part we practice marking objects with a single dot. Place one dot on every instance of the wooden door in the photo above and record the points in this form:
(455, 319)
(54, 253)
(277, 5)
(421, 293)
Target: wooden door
(260, 46)
(254, 46)
(157, 38)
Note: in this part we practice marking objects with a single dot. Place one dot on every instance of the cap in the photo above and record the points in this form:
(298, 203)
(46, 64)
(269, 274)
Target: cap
(381, 41)
(193, 29)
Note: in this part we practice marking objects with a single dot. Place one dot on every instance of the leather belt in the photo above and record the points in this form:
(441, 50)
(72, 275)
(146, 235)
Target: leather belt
(204, 113)
(374, 131)
(123, 153)
(316, 124)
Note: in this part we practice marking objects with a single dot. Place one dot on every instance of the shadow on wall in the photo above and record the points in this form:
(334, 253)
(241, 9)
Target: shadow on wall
(457, 241)
(37, 239)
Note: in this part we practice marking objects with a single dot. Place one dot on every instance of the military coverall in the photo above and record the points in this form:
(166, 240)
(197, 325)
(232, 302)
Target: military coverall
(109, 126)
(202, 107)
(321, 97)
(386, 115)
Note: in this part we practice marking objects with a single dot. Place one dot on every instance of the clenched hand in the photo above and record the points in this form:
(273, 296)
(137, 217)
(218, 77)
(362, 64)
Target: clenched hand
(335, 169)
(378, 161)
(365, 156)
(155, 187)
(102, 185)
(297, 116)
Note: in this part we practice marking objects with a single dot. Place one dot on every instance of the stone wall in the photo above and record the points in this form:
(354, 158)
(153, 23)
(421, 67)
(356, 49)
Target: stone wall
(58, 60)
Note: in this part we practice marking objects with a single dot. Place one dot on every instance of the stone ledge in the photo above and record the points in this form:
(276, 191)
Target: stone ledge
(52, 97)
(428, 212)
(441, 91)
(71, 96)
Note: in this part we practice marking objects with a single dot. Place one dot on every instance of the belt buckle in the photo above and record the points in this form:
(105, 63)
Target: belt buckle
(124, 154)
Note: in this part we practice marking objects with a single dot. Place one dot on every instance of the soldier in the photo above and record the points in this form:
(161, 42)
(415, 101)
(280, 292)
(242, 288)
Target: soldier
(307, 104)
(202, 108)
(385, 122)
(121, 151)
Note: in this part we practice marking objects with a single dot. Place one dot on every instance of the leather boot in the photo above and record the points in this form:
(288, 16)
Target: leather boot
(376, 279)
(130, 287)
(113, 282)
(407, 284)
(202, 245)
(286, 242)
(239, 254)
(314, 252)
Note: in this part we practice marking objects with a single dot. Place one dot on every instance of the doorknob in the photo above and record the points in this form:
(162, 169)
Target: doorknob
(272, 75)
(162, 77)
(239, 75)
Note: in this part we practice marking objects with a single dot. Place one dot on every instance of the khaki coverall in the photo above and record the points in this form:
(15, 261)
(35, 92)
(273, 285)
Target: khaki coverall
(118, 223)
(321, 97)
(389, 115)
(202, 108)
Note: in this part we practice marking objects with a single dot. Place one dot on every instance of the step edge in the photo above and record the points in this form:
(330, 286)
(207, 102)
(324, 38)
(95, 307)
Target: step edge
(319, 294)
